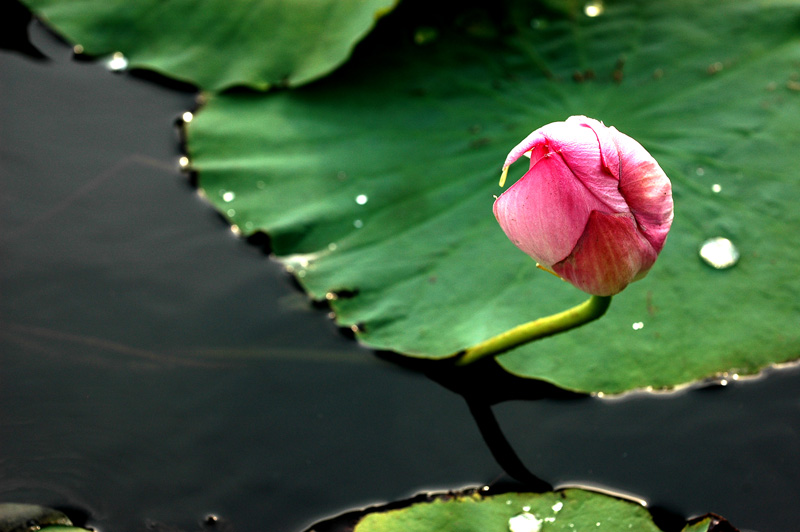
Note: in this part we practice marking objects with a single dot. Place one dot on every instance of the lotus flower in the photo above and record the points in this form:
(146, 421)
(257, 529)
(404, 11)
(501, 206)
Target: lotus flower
(594, 208)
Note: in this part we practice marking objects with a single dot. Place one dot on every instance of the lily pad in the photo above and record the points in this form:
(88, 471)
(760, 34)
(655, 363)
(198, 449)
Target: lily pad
(376, 185)
(565, 510)
(18, 517)
(217, 43)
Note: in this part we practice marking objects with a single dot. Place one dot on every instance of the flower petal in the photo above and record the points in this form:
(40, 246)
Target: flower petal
(646, 189)
(610, 254)
(546, 211)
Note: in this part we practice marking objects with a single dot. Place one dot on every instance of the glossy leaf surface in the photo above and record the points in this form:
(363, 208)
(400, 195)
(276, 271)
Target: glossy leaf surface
(564, 510)
(376, 185)
(216, 44)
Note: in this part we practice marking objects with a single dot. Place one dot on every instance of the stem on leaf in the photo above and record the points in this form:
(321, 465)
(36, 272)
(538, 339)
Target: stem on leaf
(587, 311)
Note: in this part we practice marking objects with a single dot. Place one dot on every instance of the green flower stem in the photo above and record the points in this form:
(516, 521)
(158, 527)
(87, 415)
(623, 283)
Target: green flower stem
(587, 311)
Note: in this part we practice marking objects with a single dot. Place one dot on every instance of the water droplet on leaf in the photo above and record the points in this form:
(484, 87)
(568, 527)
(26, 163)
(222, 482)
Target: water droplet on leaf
(719, 253)
(524, 522)
(117, 62)
(593, 9)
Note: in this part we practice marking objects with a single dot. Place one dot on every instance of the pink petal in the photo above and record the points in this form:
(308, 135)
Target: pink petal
(646, 189)
(610, 254)
(546, 211)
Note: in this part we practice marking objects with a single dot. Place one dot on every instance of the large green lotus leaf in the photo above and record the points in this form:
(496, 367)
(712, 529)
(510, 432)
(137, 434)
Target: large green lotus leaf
(376, 186)
(219, 43)
(566, 510)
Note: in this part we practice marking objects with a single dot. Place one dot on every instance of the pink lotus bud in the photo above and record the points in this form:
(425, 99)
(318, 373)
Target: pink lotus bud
(594, 207)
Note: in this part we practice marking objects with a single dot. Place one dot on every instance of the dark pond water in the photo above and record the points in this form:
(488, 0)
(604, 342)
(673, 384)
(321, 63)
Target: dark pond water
(155, 369)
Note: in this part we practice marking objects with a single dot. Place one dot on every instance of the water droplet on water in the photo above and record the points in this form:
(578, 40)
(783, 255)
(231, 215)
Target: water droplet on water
(187, 117)
(117, 62)
(361, 199)
(228, 196)
(358, 224)
(594, 8)
(638, 326)
(524, 522)
(719, 253)
(716, 188)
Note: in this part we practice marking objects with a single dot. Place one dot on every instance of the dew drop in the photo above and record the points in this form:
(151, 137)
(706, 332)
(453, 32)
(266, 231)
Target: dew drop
(77, 49)
(638, 326)
(248, 226)
(235, 230)
(716, 188)
(117, 62)
(331, 296)
(231, 212)
(358, 224)
(228, 196)
(538, 23)
(332, 246)
(700, 171)
(594, 8)
(424, 35)
(558, 506)
(719, 253)
(183, 162)
(187, 117)
(361, 199)
(524, 522)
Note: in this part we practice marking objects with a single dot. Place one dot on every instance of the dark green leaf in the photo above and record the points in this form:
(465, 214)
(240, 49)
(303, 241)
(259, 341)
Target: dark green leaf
(421, 131)
(218, 43)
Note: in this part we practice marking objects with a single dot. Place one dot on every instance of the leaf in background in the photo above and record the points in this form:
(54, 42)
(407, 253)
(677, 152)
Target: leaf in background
(218, 43)
(567, 510)
(376, 186)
